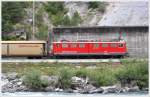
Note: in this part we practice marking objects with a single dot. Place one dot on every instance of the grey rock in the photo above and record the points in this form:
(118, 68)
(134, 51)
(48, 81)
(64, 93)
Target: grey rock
(68, 91)
(52, 80)
(133, 89)
(12, 76)
(98, 90)
(4, 82)
(88, 88)
(145, 89)
(21, 88)
(3, 76)
(112, 89)
(49, 89)
(58, 90)
(78, 82)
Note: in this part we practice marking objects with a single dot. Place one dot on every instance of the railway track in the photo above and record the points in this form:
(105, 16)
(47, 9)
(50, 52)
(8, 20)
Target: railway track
(59, 60)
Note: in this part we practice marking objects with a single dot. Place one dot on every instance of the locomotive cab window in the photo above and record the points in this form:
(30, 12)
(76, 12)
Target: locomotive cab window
(104, 45)
(120, 45)
(81, 45)
(64, 45)
(57, 45)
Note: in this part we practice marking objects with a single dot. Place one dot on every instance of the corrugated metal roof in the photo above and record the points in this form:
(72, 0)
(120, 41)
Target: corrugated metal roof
(77, 27)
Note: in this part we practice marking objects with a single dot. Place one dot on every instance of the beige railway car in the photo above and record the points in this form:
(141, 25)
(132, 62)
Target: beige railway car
(24, 48)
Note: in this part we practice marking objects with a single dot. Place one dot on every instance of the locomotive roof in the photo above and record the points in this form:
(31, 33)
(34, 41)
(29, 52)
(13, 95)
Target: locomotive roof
(92, 42)
(75, 27)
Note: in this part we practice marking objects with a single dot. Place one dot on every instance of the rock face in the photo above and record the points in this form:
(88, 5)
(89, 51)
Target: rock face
(126, 14)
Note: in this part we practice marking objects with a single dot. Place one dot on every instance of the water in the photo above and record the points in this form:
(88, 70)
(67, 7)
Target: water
(52, 94)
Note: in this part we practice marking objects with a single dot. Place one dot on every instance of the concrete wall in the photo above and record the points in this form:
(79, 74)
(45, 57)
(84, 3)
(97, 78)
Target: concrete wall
(136, 37)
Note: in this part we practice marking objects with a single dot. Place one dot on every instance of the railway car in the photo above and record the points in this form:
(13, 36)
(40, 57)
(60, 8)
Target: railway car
(89, 48)
(24, 49)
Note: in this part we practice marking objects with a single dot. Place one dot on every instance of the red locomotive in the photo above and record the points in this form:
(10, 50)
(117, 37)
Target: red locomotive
(89, 48)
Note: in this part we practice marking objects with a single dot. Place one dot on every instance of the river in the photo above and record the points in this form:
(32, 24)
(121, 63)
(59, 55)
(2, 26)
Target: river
(52, 94)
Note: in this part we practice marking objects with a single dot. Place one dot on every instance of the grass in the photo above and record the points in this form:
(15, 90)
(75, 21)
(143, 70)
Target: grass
(103, 75)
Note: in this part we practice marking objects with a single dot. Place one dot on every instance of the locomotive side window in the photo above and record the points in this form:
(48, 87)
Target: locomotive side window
(113, 45)
(57, 45)
(81, 45)
(96, 45)
(104, 45)
(73, 45)
(120, 45)
(64, 45)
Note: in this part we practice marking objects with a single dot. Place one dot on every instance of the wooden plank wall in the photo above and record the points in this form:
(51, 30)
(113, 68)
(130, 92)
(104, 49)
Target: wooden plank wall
(136, 37)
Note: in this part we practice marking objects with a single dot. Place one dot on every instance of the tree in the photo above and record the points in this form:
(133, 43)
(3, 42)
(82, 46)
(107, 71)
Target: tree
(76, 19)
(12, 13)
(66, 20)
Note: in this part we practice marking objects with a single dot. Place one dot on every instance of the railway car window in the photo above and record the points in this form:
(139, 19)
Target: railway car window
(96, 45)
(81, 45)
(113, 45)
(64, 45)
(74, 45)
(104, 45)
(120, 45)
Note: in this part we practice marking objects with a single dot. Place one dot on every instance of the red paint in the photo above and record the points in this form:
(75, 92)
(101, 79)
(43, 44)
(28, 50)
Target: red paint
(89, 48)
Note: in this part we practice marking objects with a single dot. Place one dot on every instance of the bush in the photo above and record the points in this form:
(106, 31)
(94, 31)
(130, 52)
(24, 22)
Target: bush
(9, 38)
(101, 6)
(93, 5)
(82, 72)
(33, 80)
(43, 32)
(66, 20)
(133, 71)
(65, 75)
(102, 77)
(76, 19)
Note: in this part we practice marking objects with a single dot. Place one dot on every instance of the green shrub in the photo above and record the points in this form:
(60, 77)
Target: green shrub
(101, 6)
(65, 75)
(76, 19)
(133, 71)
(9, 38)
(33, 80)
(93, 4)
(55, 7)
(42, 33)
(102, 77)
(66, 21)
(81, 72)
